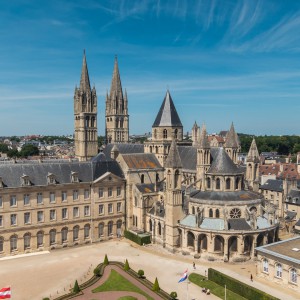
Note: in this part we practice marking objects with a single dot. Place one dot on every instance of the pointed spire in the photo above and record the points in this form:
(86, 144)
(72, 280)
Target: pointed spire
(253, 154)
(84, 79)
(167, 115)
(231, 138)
(195, 125)
(173, 160)
(203, 141)
(116, 86)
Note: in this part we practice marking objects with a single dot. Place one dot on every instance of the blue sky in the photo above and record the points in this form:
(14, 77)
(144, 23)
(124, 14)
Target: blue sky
(223, 61)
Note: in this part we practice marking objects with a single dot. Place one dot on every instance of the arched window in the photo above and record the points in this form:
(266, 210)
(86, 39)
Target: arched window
(121, 123)
(119, 224)
(157, 177)
(101, 229)
(52, 234)
(75, 233)
(110, 228)
(156, 149)
(177, 183)
(1, 244)
(235, 213)
(13, 243)
(278, 270)
(193, 210)
(27, 241)
(266, 265)
(135, 201)
(165, 134)
(293, 275)
(218, 183)
(228, 183)
(86, 231)
(93, 122)
(159, 229)
(150, 148)
(64, 235)
(40, 239)
(150, 225)
(176, 133)
(142, 178)
(87, 121)
(210, 213)
(155, 134)
(208, 182)
(117, 123)
(217, 213)
(237, 181)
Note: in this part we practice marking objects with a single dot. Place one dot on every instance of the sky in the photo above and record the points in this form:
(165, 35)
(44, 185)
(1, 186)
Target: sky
(222, 60)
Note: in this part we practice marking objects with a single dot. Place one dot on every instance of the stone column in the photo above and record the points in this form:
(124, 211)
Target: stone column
(252, 254)
(225, 249)
(240, 245)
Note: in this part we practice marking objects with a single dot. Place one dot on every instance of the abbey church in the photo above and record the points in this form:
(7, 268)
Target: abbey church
(190, 197)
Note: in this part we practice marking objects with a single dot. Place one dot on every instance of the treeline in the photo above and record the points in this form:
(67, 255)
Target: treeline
(283, 145)
(27, 150)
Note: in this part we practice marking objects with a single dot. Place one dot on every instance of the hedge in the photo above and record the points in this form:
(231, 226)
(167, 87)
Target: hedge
(136, 238)
(238, 287)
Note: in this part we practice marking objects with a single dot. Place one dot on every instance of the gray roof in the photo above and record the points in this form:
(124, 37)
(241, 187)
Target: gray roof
(124, 148)
(167, 115)
(290, 215)
(189, 220)
(238, 224)
(262, 222)
(232, 140)
(213, 224)
(273, 185)
(222, 163)
(87, 172)
(188, 156)
(293, 197)
(297, 223)
(173, 160)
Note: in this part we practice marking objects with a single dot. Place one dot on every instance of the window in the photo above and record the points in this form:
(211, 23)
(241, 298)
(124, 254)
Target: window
(52, 236)
(110, 208)
(86, 231)
(64, 213)
(210, 213)
(1, 244)
(118, 191)
(235, 213)
(64, 235)
(217, 213)
(110, 228)
(119, 207)
(26, 199)
(40, 216)
(39, 198)
(278, 270)
(63, 196)
(228, 183)
(265, 265)
(75, 233)
(27, 218)
(101, 193)
(293, 275)
(74, 177)
(75, 195)
(13, 200)
(1, 221)
(110, 192)
(208, 183)
(27, 241)
(165, 133)
(218, 184)
(1, 202)
(87, 211)
(101, 209)
(52, 214)
(86, 194)
(13, 243)
(101, 229)
(52, 197)
(75, 212)
(40, 239)
(13, 219)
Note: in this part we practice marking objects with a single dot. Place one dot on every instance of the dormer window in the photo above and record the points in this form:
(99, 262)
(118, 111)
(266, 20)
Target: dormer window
(51, 178)
(74, 177)
(25, 180)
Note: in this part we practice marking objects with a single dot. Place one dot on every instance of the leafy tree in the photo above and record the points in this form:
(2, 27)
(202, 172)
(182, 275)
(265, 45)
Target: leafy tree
(126, 265)
(4, 148)
(173, 295)
(76, 288)
(141, 273)
(105, 262)
(156, 287)
(97, 271)
(29, 150)
(13, 153)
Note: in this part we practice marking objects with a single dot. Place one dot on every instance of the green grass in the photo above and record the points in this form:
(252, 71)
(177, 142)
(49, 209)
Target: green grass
(214, 288)
(116, 282)
(127, 298)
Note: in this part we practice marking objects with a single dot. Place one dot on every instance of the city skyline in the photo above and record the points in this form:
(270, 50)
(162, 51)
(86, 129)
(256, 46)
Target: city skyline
(223, 62)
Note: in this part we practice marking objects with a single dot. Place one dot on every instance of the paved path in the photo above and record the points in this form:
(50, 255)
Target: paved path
(35, 277)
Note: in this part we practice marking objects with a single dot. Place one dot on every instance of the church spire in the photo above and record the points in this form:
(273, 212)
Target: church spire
(203, 140)
(231, 138)
(173, 159)
(116, 86)
(84, 79)
(253, 154)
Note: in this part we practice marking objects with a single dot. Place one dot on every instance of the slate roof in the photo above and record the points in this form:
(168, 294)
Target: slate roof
(188, 156)
(116, 86)
(167, 115)
(238, 224)
(273, 185)
(222, 163)
(141, 161)
(124, 148)
(87, 172)
(297, 223)
(213, 224)
(290, 215)
(84, 79)
(173, 160)
(262, 222)
(224, 196)
(231, 140)
(293, 197)
(189, 220)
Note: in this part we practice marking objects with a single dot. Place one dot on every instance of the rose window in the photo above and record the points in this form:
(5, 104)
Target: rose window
(235, 213)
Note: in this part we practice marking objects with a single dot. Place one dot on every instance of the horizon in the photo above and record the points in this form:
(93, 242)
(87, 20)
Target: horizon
(222, 62)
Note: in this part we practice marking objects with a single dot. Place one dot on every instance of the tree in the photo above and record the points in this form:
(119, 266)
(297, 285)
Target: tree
(173, 295)
(105, 262)
(156, 287)
(76, 288)
(29, 150)
(141, 273)
(13, 153)
(97, 271)
(4, 148)
(126, 265)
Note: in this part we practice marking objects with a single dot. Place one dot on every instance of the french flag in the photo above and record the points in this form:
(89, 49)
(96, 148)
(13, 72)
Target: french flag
(5, 293)
(184, 276)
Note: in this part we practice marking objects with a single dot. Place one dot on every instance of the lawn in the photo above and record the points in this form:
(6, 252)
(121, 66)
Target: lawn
(214, 288)
(117, 282)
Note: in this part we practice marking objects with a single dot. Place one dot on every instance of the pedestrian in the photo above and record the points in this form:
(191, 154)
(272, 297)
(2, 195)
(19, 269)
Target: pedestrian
(251, 277)
(194, 266)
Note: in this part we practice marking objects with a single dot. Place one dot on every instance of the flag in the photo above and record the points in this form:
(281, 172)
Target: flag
(183, 277)
(5, 293)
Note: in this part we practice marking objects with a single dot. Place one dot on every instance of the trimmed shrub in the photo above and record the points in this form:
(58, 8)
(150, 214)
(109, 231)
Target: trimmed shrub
(47, 298)
(237, 286)
(126, 266)
(105, 262)
(97, 272)
(156, 287)
(173, 295)
(76, 288)
(141, 273)
(136, 238)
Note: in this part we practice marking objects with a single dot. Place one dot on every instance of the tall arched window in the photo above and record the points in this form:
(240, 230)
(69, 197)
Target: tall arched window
(75, 233)
(228, 183)
(40, 239)
(13, 243)
(155, 134)
(101, 229)
(159, 228)
(64, 235)
(165, 134)
(293, 275)
(150, 225)
(217, 213)
(52, 234)
(193, 210)
(142, 178)
(237, 181)
(1, 244)
(208, 182)
(86, 231)
(266, 265)
(176, 133)
(27, 241)
(177, 183)
(278, 270)
(218, 183)
(110, 228)
(210, 213)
